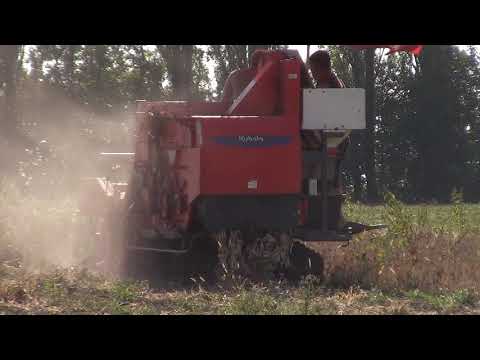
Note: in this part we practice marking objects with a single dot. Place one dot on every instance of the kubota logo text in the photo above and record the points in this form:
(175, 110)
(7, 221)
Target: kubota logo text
(252, 140)
(249, 139)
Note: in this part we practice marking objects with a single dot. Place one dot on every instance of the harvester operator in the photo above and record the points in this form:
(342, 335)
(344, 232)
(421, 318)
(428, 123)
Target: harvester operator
(323, 78)
(323, 75)
(238, 80)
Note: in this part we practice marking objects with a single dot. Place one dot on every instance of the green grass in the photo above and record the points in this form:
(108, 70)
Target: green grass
(444, 302)
(438, 217)
(78, 292)
(426, 247)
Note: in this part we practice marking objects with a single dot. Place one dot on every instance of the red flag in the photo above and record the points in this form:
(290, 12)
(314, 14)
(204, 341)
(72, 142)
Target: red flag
(415, 49)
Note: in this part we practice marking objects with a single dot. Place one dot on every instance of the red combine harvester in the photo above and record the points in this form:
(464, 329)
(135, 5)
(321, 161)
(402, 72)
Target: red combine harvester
(229, 187)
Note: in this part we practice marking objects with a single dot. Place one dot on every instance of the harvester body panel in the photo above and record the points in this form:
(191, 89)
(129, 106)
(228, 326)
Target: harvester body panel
(250, 156)
(216, 166)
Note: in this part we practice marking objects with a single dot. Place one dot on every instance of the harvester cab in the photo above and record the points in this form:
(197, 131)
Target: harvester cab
(234, 178)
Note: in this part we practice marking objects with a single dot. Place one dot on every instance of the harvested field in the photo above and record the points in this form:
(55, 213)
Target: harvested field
(426, 263)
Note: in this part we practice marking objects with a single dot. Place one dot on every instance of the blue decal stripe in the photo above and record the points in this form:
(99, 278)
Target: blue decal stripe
(252, 141)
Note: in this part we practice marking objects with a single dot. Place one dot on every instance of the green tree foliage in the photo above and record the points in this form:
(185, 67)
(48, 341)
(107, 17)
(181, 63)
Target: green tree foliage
(107, 77)
(445, 99)
(425, 131)
(201, 87)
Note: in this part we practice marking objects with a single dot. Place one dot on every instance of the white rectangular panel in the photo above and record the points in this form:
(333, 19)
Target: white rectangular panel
(333, 109)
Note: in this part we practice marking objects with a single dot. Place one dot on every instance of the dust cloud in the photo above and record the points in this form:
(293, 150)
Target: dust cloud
(44, 181)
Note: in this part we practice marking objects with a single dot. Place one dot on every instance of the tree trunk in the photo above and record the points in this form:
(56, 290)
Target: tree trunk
(179, 60)
(9, 56)
(20, 60)
(100, 60)
(370, 125)
(140, 91)
(357, 139)
(69, 63)
(187, 81)
(36, 60)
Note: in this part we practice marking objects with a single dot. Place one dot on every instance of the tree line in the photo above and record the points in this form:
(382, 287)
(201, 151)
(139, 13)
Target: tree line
(422, 136)
(425, 134)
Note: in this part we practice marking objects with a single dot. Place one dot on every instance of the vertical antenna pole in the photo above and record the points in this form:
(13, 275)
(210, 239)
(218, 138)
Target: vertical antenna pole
(324, 182)
(308, 57)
